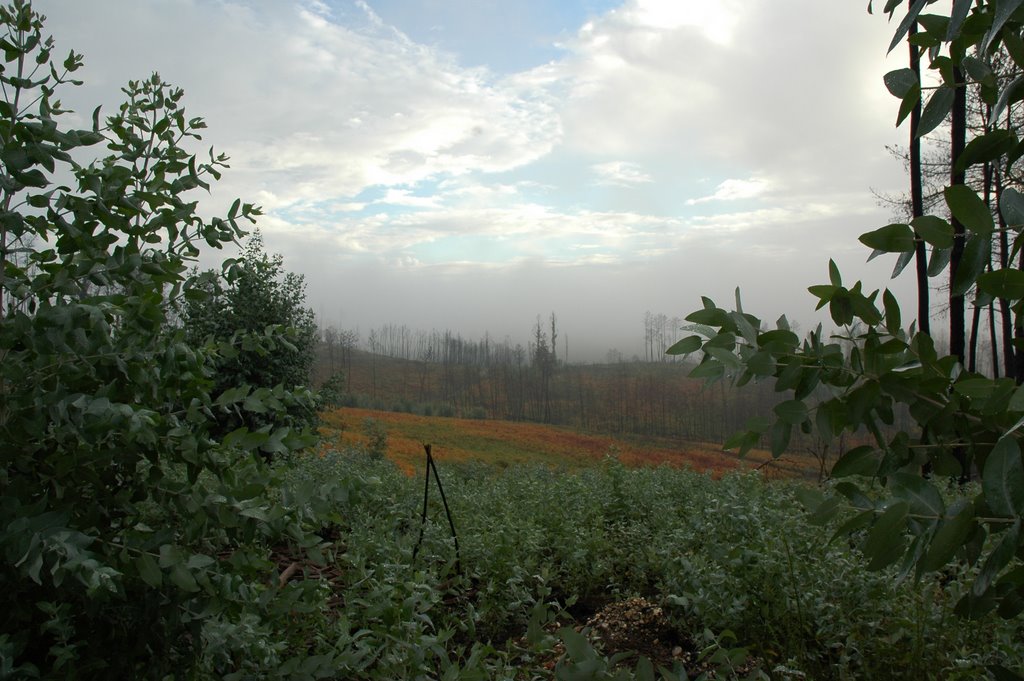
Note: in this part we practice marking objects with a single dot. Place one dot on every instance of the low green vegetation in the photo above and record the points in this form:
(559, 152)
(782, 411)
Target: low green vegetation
(740, 581)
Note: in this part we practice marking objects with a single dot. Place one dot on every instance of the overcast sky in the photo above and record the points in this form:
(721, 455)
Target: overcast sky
(470, 164)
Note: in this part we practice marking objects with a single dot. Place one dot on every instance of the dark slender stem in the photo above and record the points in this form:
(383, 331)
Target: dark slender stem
(423, 518)
(447, 511)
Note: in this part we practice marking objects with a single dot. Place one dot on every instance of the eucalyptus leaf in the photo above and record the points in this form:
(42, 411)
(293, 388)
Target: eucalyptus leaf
(685, 346)
(886, 540)
(969, 209)
(975, 258)
(934, 230)
(900, 82)
(1011, 206)
(936, 110)
(1003, 479)
(892, 238)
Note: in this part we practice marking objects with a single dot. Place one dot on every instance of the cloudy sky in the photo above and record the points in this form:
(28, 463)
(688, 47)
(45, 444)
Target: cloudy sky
(470, 164)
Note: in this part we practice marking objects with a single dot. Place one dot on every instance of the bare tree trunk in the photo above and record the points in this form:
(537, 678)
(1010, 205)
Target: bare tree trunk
(917, 198)
(958, 138)
(992, 339)
(972, 356)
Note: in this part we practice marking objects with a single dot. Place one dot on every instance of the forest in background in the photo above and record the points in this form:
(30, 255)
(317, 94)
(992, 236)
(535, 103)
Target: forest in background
(650, 400)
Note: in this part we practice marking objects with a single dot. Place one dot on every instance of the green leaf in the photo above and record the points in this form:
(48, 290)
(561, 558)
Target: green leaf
(1004, 9)
(716, 317)
(895, 238)
(824, 293)
(906, 23)
(1003, 479)
(1000, 557)
(950, 536)
(933, 230)
(809, 497)
(1001, 673)
(793, 412)
(938, 261)
(979, 71)
(861, 460)
(576, 644)
(834, 276)
(778, 340)
(854, 524)
(988, 147)
(1007, 284)
(1012, 94)
(685, 346)
(1011, 206)
(922, 497)
(825, 512)
(909, 103)
(781, 433)
(902, 261)
(743, 442)
(936, 110)
(900, 82)
(969, 208)
(149, 571)
(975, 258)
(886, 542)
(183, 579)
(893, 319)
(726, 357)
(840, 308)
(974, 388)
(1014, 47)
(957, 16)
(762, 364)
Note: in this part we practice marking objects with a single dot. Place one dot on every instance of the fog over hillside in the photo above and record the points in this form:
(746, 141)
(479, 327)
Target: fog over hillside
(470, 165)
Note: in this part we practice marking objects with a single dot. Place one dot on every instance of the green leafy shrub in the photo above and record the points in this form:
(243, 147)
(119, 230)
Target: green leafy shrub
(746, 581)
(253, 299)
(331, 394)
(960, 422)
(129, 534)
(376, 437)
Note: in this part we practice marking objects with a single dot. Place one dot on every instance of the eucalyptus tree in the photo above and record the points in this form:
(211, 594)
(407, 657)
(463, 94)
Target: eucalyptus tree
(962, 423)
(253, 295)
(132, 539)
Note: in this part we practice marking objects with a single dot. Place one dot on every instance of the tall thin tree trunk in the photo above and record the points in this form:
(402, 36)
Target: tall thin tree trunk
(917, 198)
(1011, 356)
(992, 339)
(958, 138)
(972, 352)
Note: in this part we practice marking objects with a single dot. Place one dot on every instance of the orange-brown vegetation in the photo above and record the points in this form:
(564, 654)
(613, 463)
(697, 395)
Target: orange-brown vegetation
(505, 442)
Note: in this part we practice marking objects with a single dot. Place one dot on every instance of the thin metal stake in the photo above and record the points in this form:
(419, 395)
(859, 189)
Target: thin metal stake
(447, 511)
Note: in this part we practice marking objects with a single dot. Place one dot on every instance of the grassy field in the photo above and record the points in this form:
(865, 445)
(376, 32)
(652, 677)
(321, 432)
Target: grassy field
(505, 443)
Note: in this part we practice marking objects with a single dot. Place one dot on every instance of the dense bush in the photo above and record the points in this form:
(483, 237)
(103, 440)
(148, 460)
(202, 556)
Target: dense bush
(133, 542)
(255, 296)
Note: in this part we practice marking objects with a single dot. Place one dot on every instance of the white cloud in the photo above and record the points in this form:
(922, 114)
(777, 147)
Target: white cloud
(716, 20)
(311, 101)
(620, 173)
(732, 190)
(341, 126)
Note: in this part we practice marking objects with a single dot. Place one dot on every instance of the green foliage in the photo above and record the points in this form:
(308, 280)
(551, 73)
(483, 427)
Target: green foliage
(745, 582)
(256, 314)
(130, 537)
(331, 394)
(376, 437)
(859, 380)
